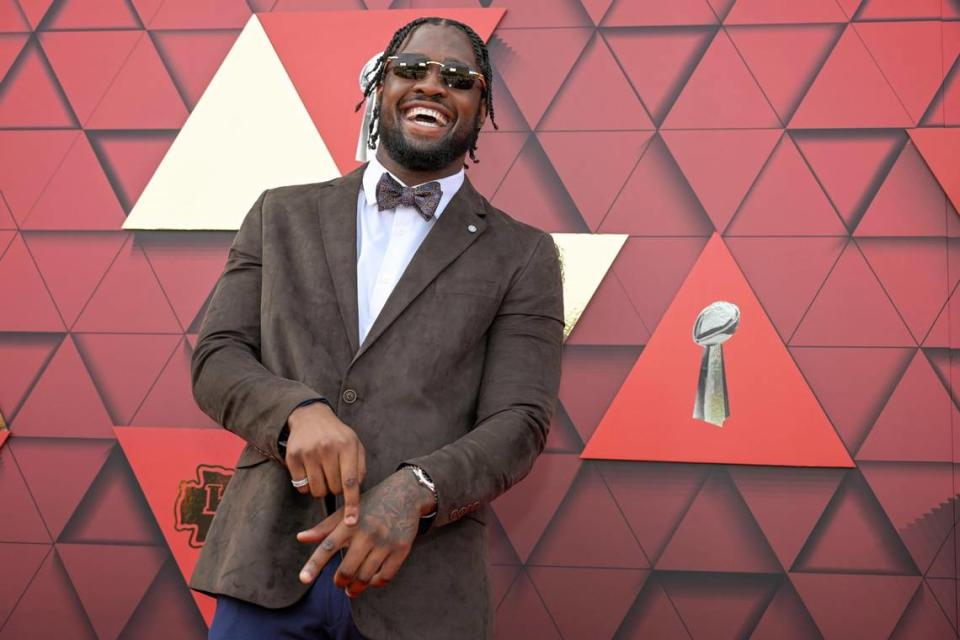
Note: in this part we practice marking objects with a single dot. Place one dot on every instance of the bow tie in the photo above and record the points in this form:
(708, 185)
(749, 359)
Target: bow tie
(423, 198)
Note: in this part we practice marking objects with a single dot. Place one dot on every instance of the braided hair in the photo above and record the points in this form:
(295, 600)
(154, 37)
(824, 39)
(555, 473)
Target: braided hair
(376, 74)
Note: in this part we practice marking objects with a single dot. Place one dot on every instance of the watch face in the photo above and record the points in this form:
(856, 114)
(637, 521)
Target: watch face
(424, 479)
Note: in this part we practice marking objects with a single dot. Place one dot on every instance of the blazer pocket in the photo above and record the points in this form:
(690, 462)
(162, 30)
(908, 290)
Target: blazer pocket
(469, 287)
(250, 457)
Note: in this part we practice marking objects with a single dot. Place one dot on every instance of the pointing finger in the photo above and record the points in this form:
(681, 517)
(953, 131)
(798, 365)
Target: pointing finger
(321, 555)
(351, 486)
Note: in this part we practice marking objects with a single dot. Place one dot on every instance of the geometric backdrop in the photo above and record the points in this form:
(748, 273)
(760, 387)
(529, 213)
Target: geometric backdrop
(813, 142)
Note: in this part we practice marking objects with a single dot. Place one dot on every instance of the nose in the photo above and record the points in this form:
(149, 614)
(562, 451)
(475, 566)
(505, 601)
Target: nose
(432, 83)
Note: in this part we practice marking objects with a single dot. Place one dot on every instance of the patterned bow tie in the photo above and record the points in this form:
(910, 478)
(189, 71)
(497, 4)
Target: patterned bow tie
(424, 198)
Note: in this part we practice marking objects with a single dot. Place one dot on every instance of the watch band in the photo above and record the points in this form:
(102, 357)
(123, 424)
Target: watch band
(426, 481)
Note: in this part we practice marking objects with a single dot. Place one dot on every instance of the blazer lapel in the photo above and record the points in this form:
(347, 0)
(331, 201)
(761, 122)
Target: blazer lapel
(337, 210)
(450, 236)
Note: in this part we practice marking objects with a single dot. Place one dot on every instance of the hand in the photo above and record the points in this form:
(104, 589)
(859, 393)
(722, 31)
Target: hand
(327, 452)
(389, 519)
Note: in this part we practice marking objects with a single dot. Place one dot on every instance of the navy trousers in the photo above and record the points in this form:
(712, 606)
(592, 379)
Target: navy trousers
(322, 614)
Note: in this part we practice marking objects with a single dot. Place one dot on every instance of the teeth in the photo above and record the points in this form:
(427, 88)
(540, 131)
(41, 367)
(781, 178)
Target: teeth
(423, 111)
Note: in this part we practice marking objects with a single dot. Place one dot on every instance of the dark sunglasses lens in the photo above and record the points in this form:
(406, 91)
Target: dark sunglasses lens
(457, 79)
(409, 73)
(410, 67)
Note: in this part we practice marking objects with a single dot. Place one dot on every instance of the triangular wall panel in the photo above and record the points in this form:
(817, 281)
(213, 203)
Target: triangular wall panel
(909, 55)
(25, 357)
(129, 159)
(720, 605)
(110, 580)
(31, 95)
(853, 384)
(526, 510)
(785, 200)
(27, 301)
(28, 159)
(589, 530)
(535, 194)
(721, 165)
(90, 14)
(585, 602)
(78, 196)
(592, 377)
(55, 499)
(854, 536)
(718, 534)
(784, 12)
(141, 95)
(20, 519)
(52, 599)
(594, 165)
(64, 403)
(596, 95)
(164, 466)
(910, 202)
(657, 200)
(624, 13)
(785, 59)
(850, 92)
(786, 273)
(72, 266)
(721, 94)
(786, 503)
(129, 298)
(850, 165)
(192, 57)
(658, 62)
(652, 270)
(917, 423)
(654, 498)
(761, 429)
(86, 63)
(855, 606)
(223, 172)
(852, 309)
(184, 14)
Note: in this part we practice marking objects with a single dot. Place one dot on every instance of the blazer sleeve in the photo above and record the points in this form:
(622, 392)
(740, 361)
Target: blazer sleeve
(518, 391)
(230, 384)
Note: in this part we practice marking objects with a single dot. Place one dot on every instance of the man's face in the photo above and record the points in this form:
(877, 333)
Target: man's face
(423, 141)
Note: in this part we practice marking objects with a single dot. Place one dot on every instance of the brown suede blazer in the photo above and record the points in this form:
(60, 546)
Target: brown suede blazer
(459, 375)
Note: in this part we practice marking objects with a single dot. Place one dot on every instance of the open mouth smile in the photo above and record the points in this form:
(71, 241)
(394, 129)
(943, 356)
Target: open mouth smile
(426, 116)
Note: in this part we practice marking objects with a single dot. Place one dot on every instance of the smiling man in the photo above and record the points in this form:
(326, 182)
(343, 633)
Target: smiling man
(388, 343)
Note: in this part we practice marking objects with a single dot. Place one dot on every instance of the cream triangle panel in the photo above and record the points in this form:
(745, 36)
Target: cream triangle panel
(250, 131)
(585, 259)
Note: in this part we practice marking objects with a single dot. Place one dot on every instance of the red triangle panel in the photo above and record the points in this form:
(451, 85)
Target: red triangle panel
(775, 419)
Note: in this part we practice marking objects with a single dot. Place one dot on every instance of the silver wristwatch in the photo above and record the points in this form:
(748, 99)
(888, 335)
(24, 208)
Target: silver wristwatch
(425, 480)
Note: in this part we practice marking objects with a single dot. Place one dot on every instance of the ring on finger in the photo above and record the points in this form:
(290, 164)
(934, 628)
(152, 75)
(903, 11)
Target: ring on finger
(300, 483)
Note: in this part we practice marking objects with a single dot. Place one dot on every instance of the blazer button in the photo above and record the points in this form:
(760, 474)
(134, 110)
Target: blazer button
(349, 396)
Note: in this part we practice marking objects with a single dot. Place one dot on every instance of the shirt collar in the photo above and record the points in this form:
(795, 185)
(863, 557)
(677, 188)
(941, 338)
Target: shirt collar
(371, 175)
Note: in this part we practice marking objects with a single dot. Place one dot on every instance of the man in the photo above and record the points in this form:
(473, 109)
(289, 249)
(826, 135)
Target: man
(396, 346)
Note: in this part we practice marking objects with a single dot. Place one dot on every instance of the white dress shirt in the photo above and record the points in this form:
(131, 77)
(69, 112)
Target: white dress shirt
(387, 241)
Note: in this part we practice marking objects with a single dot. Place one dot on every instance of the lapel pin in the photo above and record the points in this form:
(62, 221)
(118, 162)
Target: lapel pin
(472, 228)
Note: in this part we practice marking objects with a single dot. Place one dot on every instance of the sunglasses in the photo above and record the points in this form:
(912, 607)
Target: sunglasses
(415, 66)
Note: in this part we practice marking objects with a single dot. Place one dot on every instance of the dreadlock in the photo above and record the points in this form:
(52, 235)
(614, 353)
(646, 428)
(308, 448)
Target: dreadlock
(376, 75)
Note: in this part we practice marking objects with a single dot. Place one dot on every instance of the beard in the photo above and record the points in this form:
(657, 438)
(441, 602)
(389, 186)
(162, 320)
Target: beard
(433, 156)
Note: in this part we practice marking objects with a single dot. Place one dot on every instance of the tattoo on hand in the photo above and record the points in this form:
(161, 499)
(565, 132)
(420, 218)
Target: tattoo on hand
(394, 515)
